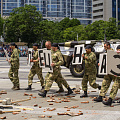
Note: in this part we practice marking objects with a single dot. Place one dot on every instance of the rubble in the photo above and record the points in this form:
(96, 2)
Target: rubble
(70, 113)
(51, 104)
(93, 91)
(3, 117)
(35, 105)
(14, 113)
(66, 107)
(74, 107)
(48, 109)
(3, 92)
(40, 106)
(1, 112)
(41, 116)
(57, 102)
(85, 102)
(34, 97)
(65, 100)
(51, 100)
(24, 108)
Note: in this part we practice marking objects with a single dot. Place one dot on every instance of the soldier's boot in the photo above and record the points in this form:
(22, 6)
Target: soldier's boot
(99, 99)
(108, 103)
(29, 87)
(99, 87)
(84, 95)
(17, 88)
(43, 94)
(69, 91)
(13, 87)
(60, 90)
(42, 88)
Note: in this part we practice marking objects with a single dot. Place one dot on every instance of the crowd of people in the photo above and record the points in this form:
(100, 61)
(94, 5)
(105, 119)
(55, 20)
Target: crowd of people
(23, 52)
(57, 60)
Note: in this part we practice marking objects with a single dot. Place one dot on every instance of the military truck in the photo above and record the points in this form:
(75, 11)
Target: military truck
(67, 50)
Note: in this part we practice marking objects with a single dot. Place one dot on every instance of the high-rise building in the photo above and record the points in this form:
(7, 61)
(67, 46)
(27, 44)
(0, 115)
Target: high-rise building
(55, 9)
(105, 9)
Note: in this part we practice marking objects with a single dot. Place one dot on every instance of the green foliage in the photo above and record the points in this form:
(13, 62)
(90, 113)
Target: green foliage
(22, 24)
(26, 23)
(1, 25)
(100, 30)
(61, 26)
(71, 33)
(112, 31)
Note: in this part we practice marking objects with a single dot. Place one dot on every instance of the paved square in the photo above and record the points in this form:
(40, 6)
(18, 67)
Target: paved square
(62, 104)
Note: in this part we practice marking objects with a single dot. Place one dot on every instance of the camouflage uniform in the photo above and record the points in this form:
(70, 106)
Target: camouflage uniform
(35, 70)
(57, 59)
(57, 81)
(90, 72)
(115, 87)
(106, 83)
(13, 72)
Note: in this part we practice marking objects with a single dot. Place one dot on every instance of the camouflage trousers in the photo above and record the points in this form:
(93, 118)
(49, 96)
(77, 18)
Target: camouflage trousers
(35, 70)
(106, 83)
(92, 81)
(13, 75)
(115, 88)
(57, 77)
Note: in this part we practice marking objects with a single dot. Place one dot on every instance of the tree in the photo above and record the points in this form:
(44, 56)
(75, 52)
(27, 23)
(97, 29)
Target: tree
(71, 33)
(61, 26)
(112, 30)
(95, 31)
(22, 24)
(1, 25)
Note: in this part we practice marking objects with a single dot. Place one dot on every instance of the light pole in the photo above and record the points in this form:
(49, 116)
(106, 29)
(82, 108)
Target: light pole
(77, 36)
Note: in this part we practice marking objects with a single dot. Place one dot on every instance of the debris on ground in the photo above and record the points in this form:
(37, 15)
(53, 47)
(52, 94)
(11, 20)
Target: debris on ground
(85, 102)
(48, 109)
(3, 92)
(3, 117)
(70, 113)
(41, 116)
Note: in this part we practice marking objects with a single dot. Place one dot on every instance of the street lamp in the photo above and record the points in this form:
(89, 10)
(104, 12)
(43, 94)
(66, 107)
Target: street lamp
(77, 36)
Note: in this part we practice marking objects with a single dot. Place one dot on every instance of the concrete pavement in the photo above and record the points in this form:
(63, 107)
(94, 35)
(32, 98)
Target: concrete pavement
(91, 110)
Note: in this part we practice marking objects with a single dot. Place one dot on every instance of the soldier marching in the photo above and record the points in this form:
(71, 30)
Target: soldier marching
(14, 62)
(35, 69)
(89, 58)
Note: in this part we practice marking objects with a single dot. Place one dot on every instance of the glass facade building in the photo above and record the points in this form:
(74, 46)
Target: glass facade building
(114, 9)
(52, 9)
(0, 6)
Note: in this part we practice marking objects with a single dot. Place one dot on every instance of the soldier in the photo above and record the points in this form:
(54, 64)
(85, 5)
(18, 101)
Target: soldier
(35, 69)
(107, 79)
(115, 87)
(48, 46)
(90, 70)
(13, 72)
(57, 61)
(107, 47)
